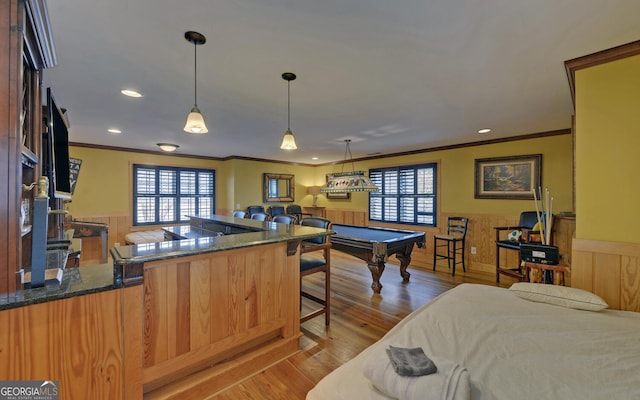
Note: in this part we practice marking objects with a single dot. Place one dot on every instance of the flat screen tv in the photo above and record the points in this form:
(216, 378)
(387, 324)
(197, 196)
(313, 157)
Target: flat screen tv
(56, 151)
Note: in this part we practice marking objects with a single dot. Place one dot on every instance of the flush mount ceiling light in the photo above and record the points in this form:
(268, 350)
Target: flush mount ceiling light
(114, 131)
(168, 147)
(195, 121)
(288, 141)
(484, 130)
(345, 182)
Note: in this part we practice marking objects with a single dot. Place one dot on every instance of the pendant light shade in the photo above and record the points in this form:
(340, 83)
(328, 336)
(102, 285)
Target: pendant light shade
(288, 140)
(195, 121)
(346, 182)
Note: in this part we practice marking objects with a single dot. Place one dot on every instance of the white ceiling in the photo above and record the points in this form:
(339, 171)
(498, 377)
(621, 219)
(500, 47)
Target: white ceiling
(390, 75)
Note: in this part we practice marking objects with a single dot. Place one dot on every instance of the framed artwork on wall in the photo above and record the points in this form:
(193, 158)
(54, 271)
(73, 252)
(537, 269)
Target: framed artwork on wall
(338, 196)
(513, 177)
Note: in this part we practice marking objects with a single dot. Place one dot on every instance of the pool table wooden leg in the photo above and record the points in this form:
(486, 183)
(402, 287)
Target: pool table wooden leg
(376, 268)
(405, 259)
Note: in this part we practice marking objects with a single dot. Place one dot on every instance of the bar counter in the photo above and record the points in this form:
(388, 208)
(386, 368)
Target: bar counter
(222, 301)
(237, 233)
(75, 282)
(211, 310)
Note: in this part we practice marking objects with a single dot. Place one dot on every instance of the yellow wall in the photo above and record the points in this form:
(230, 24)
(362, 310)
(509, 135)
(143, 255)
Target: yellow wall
(249, 181)
(104, 184)
(457, 170)
(607, 146)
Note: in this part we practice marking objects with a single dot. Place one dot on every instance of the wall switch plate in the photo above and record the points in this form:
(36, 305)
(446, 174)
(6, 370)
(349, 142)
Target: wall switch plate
(473, 250)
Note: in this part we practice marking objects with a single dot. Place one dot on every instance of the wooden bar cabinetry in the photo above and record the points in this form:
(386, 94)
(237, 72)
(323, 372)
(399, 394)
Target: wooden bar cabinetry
(28, 49)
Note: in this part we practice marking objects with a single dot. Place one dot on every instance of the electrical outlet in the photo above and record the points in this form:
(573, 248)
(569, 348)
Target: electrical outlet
(473, 250)
(116, 244)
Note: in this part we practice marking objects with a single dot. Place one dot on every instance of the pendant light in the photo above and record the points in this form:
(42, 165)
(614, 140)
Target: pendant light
(195, 121)
(288, 141)
(346, 182)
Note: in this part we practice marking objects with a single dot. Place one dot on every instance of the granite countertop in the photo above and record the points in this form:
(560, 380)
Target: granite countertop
(265, 233)
(75, 282)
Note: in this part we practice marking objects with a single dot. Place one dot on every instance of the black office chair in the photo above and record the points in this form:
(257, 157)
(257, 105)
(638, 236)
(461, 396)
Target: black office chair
(528, 219)
(254, 209)
(284, 219)
(312, 263)
(276, 210)
(239, 214)
(294, 209)
(260, 216)
(453, 241)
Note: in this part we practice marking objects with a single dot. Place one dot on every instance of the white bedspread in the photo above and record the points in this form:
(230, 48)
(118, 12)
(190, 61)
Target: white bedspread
(512, 348)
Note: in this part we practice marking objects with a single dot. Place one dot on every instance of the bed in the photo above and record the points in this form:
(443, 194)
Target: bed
(511, 347)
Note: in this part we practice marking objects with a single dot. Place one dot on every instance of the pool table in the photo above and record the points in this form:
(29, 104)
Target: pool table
(374, 245)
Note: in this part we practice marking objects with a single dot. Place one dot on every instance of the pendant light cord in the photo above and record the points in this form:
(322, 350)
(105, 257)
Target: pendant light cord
(289, 105)
(195, 75)
(348, 151)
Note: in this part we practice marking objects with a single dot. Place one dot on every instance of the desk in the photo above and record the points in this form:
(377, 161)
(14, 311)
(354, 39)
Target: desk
(375, 245)
(534, 272)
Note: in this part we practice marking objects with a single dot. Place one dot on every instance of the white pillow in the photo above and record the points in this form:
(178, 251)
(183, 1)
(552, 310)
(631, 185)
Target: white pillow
(559, 295)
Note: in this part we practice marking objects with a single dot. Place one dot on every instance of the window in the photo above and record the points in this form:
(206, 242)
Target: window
(165, 195)
(407, 195)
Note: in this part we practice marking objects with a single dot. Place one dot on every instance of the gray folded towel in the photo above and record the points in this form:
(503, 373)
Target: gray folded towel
(410, 362)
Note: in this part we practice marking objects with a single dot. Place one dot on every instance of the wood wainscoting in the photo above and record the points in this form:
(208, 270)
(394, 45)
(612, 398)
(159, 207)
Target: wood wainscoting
(609, 269)
(480, 234)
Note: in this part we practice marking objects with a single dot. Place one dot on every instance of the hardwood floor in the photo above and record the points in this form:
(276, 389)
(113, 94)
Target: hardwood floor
(358, 319)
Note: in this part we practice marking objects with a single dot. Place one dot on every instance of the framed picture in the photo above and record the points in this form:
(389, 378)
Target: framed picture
(339, 196)
(513, 177)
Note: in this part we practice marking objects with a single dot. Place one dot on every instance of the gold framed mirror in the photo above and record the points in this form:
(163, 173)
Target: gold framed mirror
(278, 187)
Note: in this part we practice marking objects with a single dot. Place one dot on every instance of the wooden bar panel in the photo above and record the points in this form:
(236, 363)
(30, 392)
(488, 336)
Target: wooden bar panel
(200, 299)
(132, 332)
(77, 341)
(220, 303)
(202, 310)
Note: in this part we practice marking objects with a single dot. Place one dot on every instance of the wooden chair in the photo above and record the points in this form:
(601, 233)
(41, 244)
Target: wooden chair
(311, 263)
(453, 241)
(528, 219)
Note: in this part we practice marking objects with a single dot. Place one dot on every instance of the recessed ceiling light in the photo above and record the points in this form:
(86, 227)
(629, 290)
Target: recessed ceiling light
(114, 131)
(169, 147)
(131, 93)
(314, 158)
(485, 130)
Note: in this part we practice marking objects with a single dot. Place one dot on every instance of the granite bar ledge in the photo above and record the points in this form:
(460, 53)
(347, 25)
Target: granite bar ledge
(75, 282)
(260, 233)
